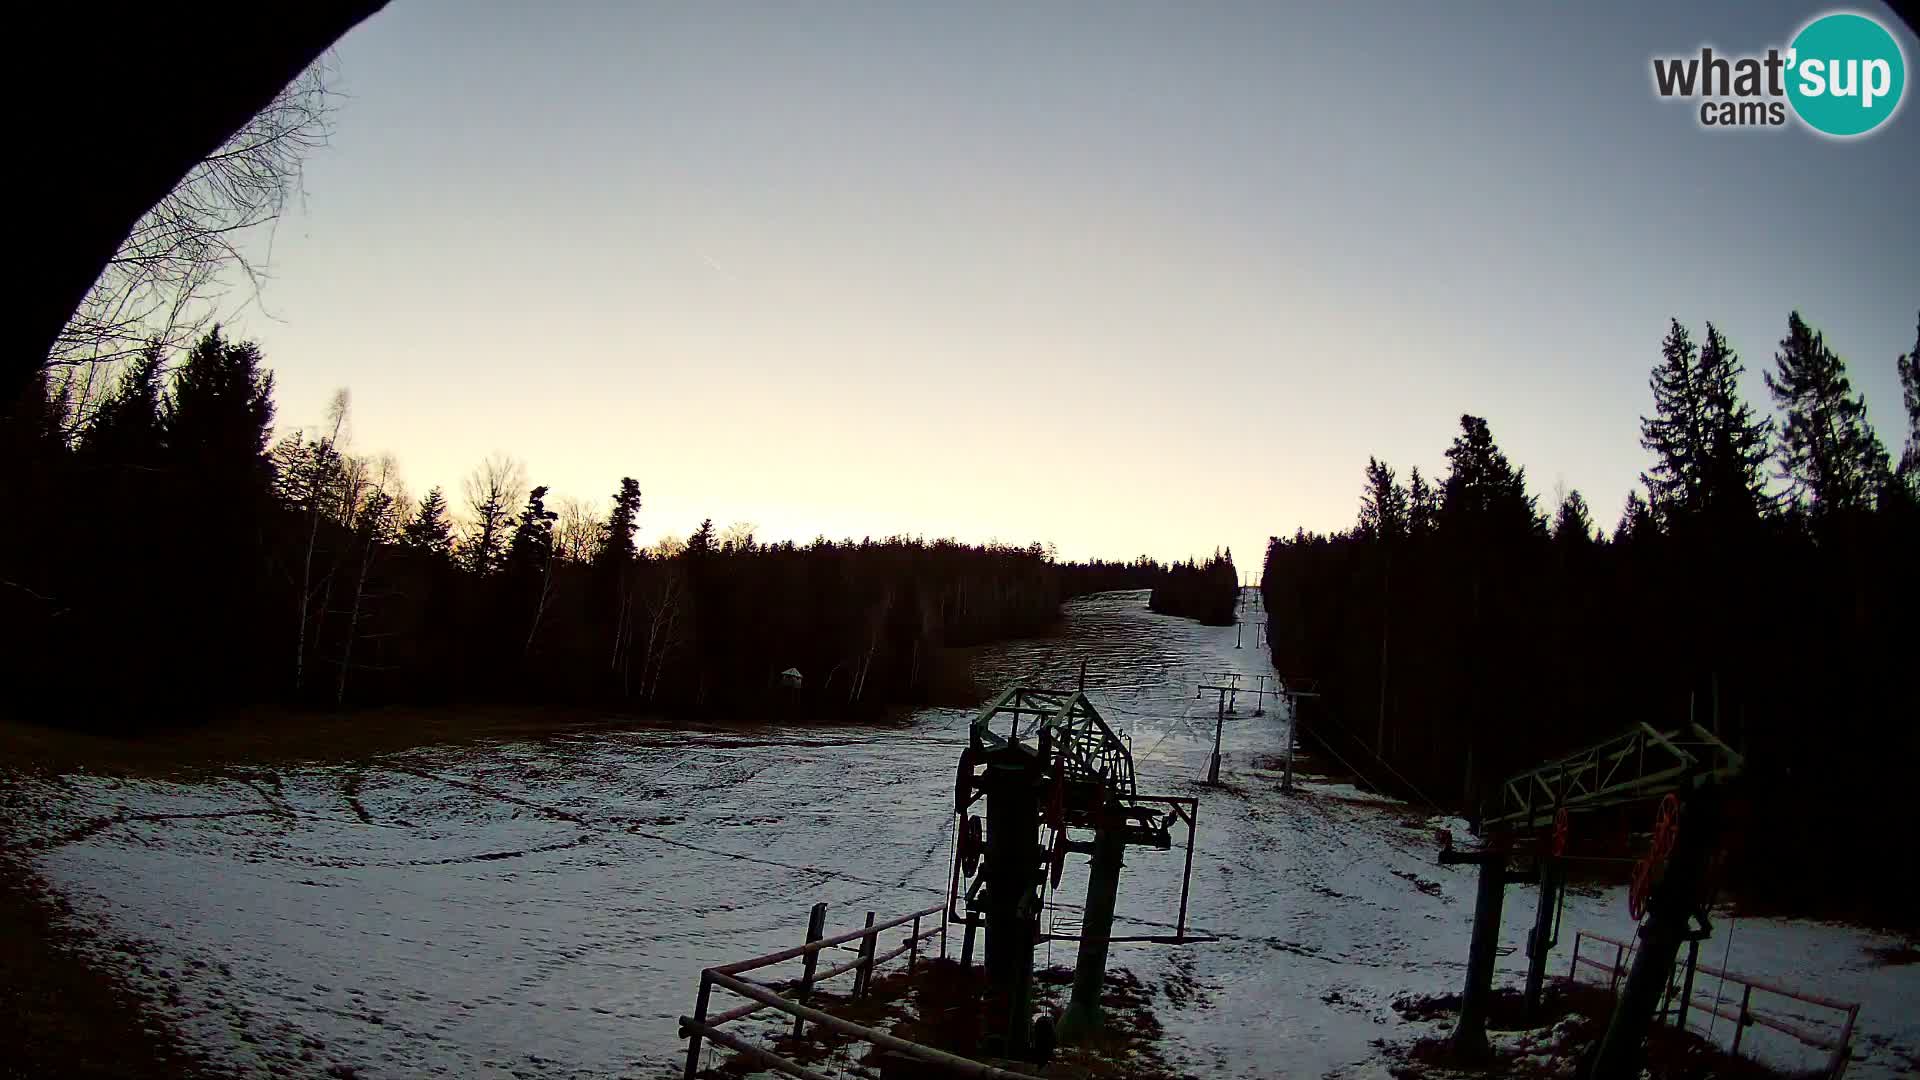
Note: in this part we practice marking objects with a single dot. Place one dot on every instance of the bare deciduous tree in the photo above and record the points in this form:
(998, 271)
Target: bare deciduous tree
(737, 536)
(167, 279)
(579, 532)
(377, 524)
(322, 489)
(666, 628)
(493, 490)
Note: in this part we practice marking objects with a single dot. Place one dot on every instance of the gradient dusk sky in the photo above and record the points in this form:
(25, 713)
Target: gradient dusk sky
(1128, 278)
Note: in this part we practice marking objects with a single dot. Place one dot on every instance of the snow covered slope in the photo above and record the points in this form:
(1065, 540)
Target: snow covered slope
(542, 909)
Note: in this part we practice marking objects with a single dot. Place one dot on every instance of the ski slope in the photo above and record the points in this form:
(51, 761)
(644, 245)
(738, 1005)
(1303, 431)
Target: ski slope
(543, 908)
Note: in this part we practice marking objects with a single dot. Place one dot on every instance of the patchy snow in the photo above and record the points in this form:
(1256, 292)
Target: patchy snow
(543, 909)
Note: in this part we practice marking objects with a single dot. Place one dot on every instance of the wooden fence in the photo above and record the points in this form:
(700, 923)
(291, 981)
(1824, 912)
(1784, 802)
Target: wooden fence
(791, 996)
(1682, 996)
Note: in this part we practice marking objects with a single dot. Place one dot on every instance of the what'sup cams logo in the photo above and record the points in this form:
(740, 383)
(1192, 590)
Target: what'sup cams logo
(1842, 75)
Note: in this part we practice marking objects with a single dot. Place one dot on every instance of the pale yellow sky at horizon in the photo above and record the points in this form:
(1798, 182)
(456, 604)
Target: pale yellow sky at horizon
(1152, 282)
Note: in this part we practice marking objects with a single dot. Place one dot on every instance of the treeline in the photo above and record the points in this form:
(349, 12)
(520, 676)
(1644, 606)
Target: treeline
(166, 555)
(1765, 585)
(1205, 591)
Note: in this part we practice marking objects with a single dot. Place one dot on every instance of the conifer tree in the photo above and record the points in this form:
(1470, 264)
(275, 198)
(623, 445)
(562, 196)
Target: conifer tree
(702, 541)
(1573, 522)
(1908, 367)
(219, 415)
(125, 429)
(1828, 451)
(1383, 504)
(1636, 521)
(1737, 441)
(532, 545)
(429, 531)
(617, 546)
(1676, 433)
(1423, 504)
(1485, 496)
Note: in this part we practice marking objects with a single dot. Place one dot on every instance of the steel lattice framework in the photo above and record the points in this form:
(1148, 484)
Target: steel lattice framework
(1085, 749)
(1640, 763)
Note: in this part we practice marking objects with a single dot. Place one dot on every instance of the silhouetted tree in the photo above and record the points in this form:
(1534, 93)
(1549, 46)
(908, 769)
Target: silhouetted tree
(125, 428)
(622, 523)
(492, 491)
(702, 543)
(1908, 368)
(1484, 495)
(1383, 505)
(219, 415)
(1828, 451)
(429, 531)
(1573, 523)
(1423, 504)
(1636, 521)
(1709, 449)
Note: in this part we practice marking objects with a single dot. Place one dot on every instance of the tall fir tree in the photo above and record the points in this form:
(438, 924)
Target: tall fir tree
(1423, 504)
(1738, 441)
(702, 542)
(1573, 522)
(1383, 504)
(532, 543)
(219, 415)
(1676, 433)
(1484, 496)
(1636, 521)
(1908, 367)
(125, 428)
(618, 547)
(429, 531)
(1828, 451)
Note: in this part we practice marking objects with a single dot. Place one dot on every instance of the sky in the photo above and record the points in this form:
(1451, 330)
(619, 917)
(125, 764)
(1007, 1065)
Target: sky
(1130, 279)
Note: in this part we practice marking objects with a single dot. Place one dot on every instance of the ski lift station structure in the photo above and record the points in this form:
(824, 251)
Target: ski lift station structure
(1047, 758)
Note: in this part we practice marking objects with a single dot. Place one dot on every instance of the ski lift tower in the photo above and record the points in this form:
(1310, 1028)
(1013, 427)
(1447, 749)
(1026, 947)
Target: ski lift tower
(1529, 815)
(1047, 757)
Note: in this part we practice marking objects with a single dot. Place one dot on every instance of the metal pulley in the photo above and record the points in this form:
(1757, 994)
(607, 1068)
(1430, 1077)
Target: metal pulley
(963, 780)
(972, 845)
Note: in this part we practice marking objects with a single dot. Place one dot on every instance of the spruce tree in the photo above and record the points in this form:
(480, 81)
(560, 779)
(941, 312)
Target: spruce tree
(1908, 367)
(1636, 521)
(532, 543)
(429, 531)
(618, 546)
(219, 415)
(1828, 451)
(125, 429)
(1573, 523)
(1484, 495)
(702, 541)
(1737, 441)
(1676, 433)
(1383, 504)
(1423, 504)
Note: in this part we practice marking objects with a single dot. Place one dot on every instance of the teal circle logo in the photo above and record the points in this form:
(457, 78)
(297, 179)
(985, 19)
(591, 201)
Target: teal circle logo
(1845, 75)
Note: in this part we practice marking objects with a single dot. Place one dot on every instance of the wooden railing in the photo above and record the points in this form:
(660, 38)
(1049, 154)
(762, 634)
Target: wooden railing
(701, 1026)
(1679, 1000)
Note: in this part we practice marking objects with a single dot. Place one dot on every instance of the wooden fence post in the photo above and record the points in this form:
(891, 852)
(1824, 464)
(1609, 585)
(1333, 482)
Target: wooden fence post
(816, 929)
(699, 1017)
(1686, 989)
(1841, 1052)
(1740, 1028)
(913, 945)
(863, 974)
